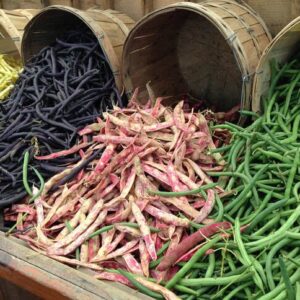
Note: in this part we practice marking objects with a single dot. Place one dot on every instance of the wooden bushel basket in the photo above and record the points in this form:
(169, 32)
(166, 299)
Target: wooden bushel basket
(209, 51)
(282, 48)
(110, 28)
(12, 24)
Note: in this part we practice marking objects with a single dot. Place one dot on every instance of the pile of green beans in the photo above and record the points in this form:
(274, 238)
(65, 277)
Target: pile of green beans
(263, 168)
(260, 257)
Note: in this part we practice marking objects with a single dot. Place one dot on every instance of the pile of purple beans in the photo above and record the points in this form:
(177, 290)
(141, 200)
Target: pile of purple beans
(63, 88)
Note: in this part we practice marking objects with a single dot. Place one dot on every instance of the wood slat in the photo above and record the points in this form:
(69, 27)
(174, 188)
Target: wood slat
(49, 279)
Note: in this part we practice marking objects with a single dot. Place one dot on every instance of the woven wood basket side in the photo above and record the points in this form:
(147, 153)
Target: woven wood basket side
(53, 21)
(282, 48)
(211, 54)
(12, 24)
(58, 2)
(276, 13)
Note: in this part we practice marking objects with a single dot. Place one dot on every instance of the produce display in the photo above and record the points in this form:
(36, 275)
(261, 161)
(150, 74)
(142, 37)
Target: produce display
(176, 202)
(63, 88)
(9, 73)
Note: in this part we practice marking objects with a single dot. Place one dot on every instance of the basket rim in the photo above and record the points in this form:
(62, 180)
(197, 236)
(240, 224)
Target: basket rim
(215, 20)
(256, 91)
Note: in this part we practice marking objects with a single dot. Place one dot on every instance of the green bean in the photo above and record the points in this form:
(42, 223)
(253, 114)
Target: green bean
(290, 221)
(238, 271)
(275, 139)
(220, 149)
(229, 218)
(233, 179)
(155, 263)
(255, 125)
(247, 171)
(270, 181)
(193, 224)
(69, 227)
(109, 227)
(275, 195)
(33, 197)
(267, 226)
(274, 155)
(281, 288)
(25, 173)
(226, 244)
(184, 296)
(284, 213)
(219, 216)
(249, 113)
(246, 258)
(269, 108)
(292, 174)
(163, 248)
(263, 204)
(293, 137)
(293, 235)
(269, 187)
(23, 217)
(295, 191)
(289, 94)
(139, 286)
(184, 193)
(260, 270)
(211, 265)
(101, 230)
(186, 290)
(195, 265)
(260, 216)
(135, 225)
(229, 127)
(235, 153)
(215, 281)
(235, 204)
(42, 185)
(184, 270)
(282, 125)
(286, 279)
(248, 211)
(230, 262)
(297, 294)
(77, 254)
(276, 78)
(236, 174)
(230, 295)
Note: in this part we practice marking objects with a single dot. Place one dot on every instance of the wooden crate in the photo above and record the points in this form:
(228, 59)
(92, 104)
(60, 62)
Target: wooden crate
(9, 291)
(50, 279)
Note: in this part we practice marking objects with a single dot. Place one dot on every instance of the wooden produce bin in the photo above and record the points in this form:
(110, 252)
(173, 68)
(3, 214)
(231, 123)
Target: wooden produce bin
(49, 279)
